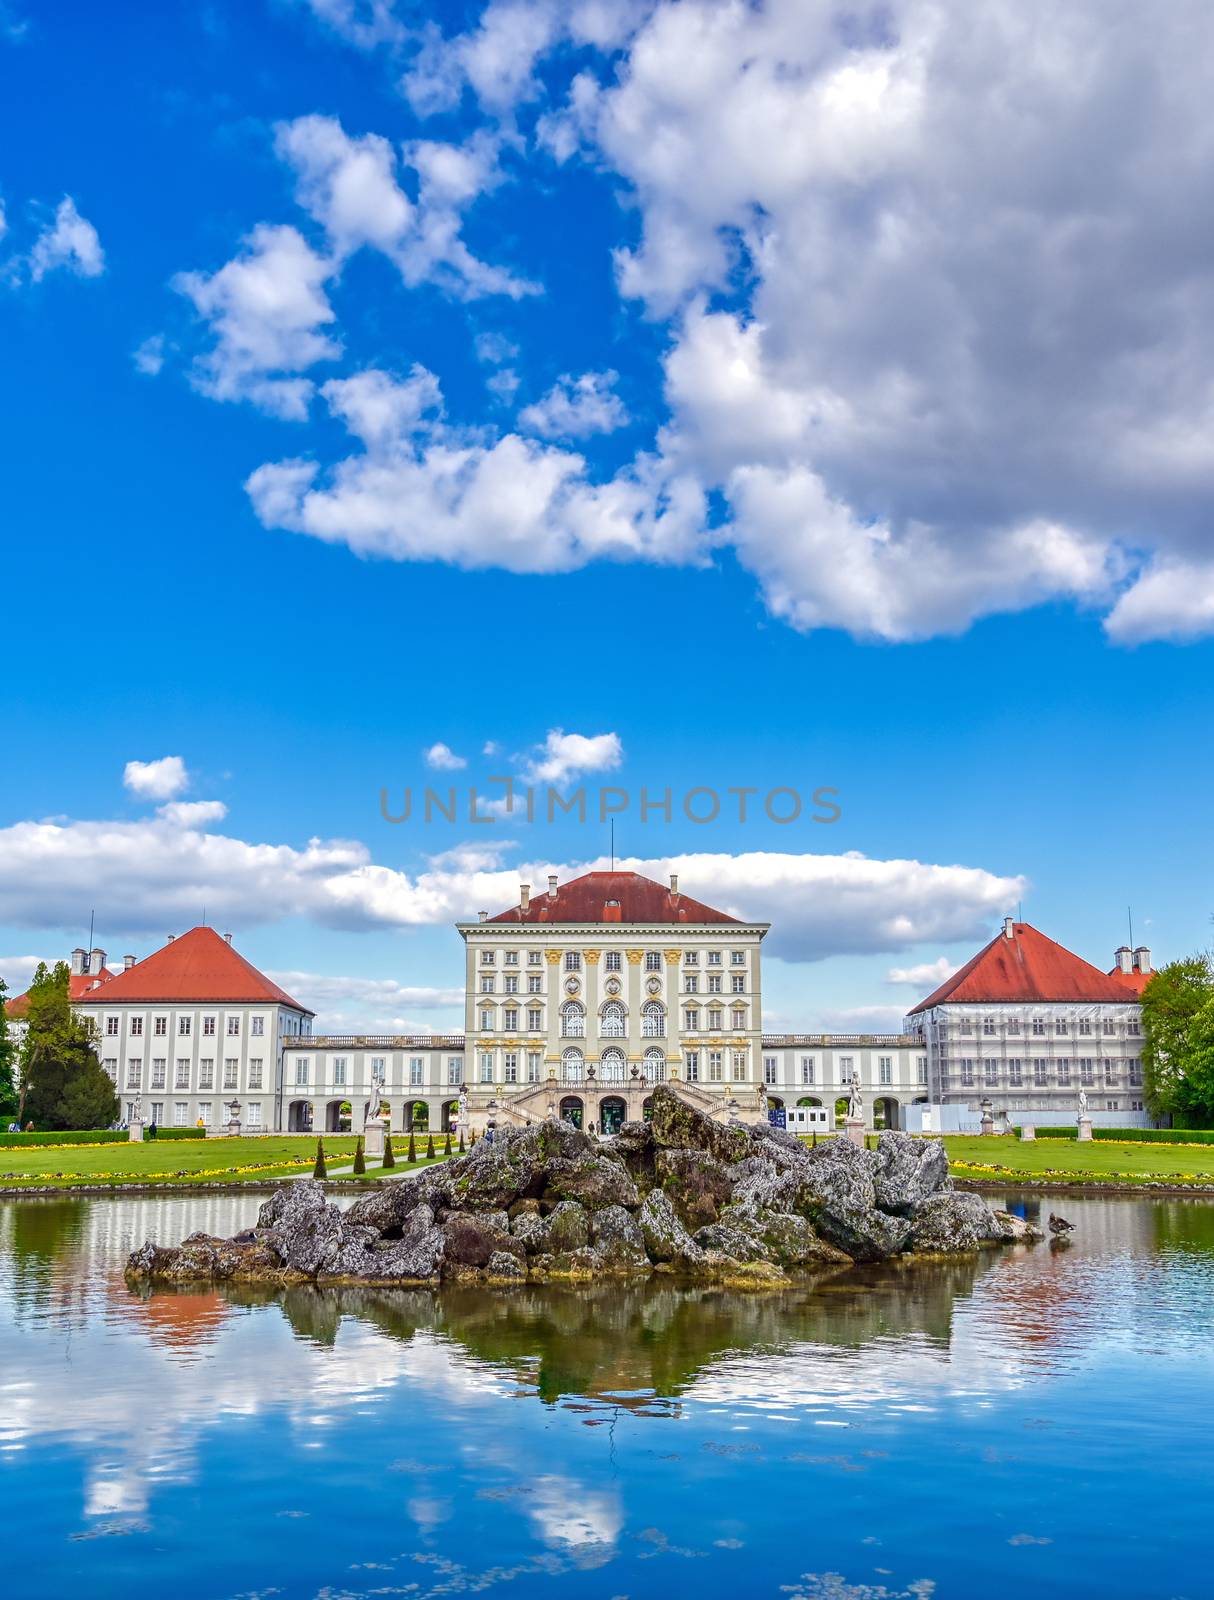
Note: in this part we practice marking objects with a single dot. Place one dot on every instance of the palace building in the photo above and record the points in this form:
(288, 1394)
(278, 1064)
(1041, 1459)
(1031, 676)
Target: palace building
(581, 998)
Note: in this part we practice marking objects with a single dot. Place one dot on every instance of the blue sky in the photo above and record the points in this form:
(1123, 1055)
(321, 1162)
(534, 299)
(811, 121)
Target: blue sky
(489, 376)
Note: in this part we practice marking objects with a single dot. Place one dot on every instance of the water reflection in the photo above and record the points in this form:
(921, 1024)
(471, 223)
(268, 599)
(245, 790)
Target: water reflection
(551, 1423)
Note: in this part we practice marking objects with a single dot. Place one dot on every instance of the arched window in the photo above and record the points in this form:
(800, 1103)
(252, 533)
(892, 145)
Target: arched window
(653, 1020)
(613, 1021)
(573, 1020)
(572, 1066)
(654, 1066)
(612, 1067)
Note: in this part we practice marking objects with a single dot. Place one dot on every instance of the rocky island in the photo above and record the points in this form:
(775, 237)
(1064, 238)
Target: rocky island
(680, 1195)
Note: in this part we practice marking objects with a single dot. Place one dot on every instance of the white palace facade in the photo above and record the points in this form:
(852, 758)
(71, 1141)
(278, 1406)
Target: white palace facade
(579, 999)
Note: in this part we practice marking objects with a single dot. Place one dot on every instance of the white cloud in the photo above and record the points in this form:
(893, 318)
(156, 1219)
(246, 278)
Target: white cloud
(442, 758)
(154, 873)
(490, 747)
(363, 23)
(568, 755)
(70, 242)
(1171, 599)
(266, 308)
(926, 975)
(17, 971)
(149, 356)
(861, 1019)
(156, 780)
(373, 1005)
(192, 813)
(437, 493)
(576, 407)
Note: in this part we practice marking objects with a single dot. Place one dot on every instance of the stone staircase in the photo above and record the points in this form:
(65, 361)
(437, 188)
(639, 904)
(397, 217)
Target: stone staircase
(541, 1100)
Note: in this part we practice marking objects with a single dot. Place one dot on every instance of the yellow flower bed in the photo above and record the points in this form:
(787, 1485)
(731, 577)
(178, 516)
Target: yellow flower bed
(139, 1177)
(1027, 1174)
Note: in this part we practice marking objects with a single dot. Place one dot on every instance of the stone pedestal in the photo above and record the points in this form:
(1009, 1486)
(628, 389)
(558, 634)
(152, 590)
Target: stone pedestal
(1085, 1128)
(1028, 1132)
(373, 1138)
(987, 1125)
(853, 1129)
(232, 1128)
(135, 1132)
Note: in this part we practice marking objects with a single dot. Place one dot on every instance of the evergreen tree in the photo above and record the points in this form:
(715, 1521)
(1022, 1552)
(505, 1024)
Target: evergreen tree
(62, 1082)
(389, 1157)
(430, 1148)
(320, 1170)
(360, 1161)
(447, 1146)
(8, 1082)
(412, 1147)
(461, 1142)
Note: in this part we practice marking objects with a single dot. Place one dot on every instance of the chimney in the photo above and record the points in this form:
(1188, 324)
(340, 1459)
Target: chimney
(96, 961)
(612, 911)
(1123, 958)
(674, 884)
(552, 884)
(80, 961)
(483, 916)
(169, 937)
(127, 963)
(1142, 959)
(1009, 928)
(524, 896)
(227, 938)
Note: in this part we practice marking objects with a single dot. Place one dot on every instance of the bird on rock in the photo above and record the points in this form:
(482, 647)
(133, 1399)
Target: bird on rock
(1060, 1225)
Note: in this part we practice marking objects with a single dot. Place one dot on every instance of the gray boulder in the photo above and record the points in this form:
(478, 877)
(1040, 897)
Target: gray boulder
(413, 1255)
(502, 1267)
(733, 1238)
(303, 1228)
(663, 1235)
(678, 1126)
(470, 1240)
(955, 1222)
(593, 1180)
(908, 1172)
(566, 1228)
(697, 1184)
(618, 1241)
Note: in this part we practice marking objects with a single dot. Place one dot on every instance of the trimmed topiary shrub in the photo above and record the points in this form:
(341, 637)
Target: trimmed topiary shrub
(320, 1170)
(461, 1142)
(360, 1161)
(447, 1146)
(430, 1148)
(389, 1158)
(412, 1146)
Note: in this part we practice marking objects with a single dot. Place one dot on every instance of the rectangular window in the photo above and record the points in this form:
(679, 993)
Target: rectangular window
(1087, 1070)
(846, 1068)
(379, 1069)
(1110, 1074)
(714, 958)
(771, 1069)
(455, 1069)
(1015, 1072)
(208, 1027)
(160, 1026)
(535, 1019)
(206, 1112)
(255, 1072)
(181, 1073)
(111, 1026)
(253, 1116)
(110, 1064)
(417, 1072)
(807, 1069)
(691, 982)
(486, 958)
(535, 985)
(1040, 1072)
(737, 1018)
(691, 958)
(258, 1027)
(1039, 1027)
(183, 1027)
(967, 1072)
(510, 1067)
(511, 958)
(573, 961)
(885, 1069)
(486, 1022)
(1135, 1105)
(921, 1069)
(1013, 1026)
(1109, 1028)
(967, 1025)
(1064, 1071)
(233, 1027)
(738, 983)
(1060, 1028)
(134, 1073)
(511, 983)
(229, 1072)
(534, 958)
(737, 958)
(715, 1016)
(486, 1064)
(136, 1027)
(1132, 1027)
(159, 1067)
(988, 1026)
(206, 1072)
(1112, 1105)
(301, 1070)
(716, 1068)
(1085, 1026)
(691, 1065)
(612, 963)
(339, 1070)
(181, 1113)
(533, 1066)
(714, 983)
(158, 1111)
(737, 1065)
(653, 961)
(990, 1073)
(487, 983)
(1135, 1070)
(511, 1019)
(691, 1020)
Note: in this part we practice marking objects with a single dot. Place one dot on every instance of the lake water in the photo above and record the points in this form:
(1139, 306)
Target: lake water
(1037, 1423)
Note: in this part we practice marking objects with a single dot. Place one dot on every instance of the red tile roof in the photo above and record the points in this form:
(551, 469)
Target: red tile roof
(78, 985)
(614, 897)
(1026, 967)
(1134, 981)
(196, 966)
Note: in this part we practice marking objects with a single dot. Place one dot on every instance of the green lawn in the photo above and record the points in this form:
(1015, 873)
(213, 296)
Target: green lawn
(183, 1161)
(1066, 1160)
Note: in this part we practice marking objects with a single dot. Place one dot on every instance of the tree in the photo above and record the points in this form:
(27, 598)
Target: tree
(360, 1161)
(430, 1148)
(412, 1153)
(8, 1083)
(320, 1170)
(447, 1146)
(62, 1083)
(1178, 1048)
(389, 1157)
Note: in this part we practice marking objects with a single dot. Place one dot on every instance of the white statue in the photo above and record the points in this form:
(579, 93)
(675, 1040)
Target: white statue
(855, 1104)
(1083, 1104)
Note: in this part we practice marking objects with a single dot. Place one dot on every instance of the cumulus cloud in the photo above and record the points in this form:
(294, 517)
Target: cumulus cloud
(267, 309)
(149, 356)
(192, 813)
(17, 971)
(925, 975)
(373, 1005)
(69, 243)
(568, 755)
(156, 780)
(574, 408)
(442, 758)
